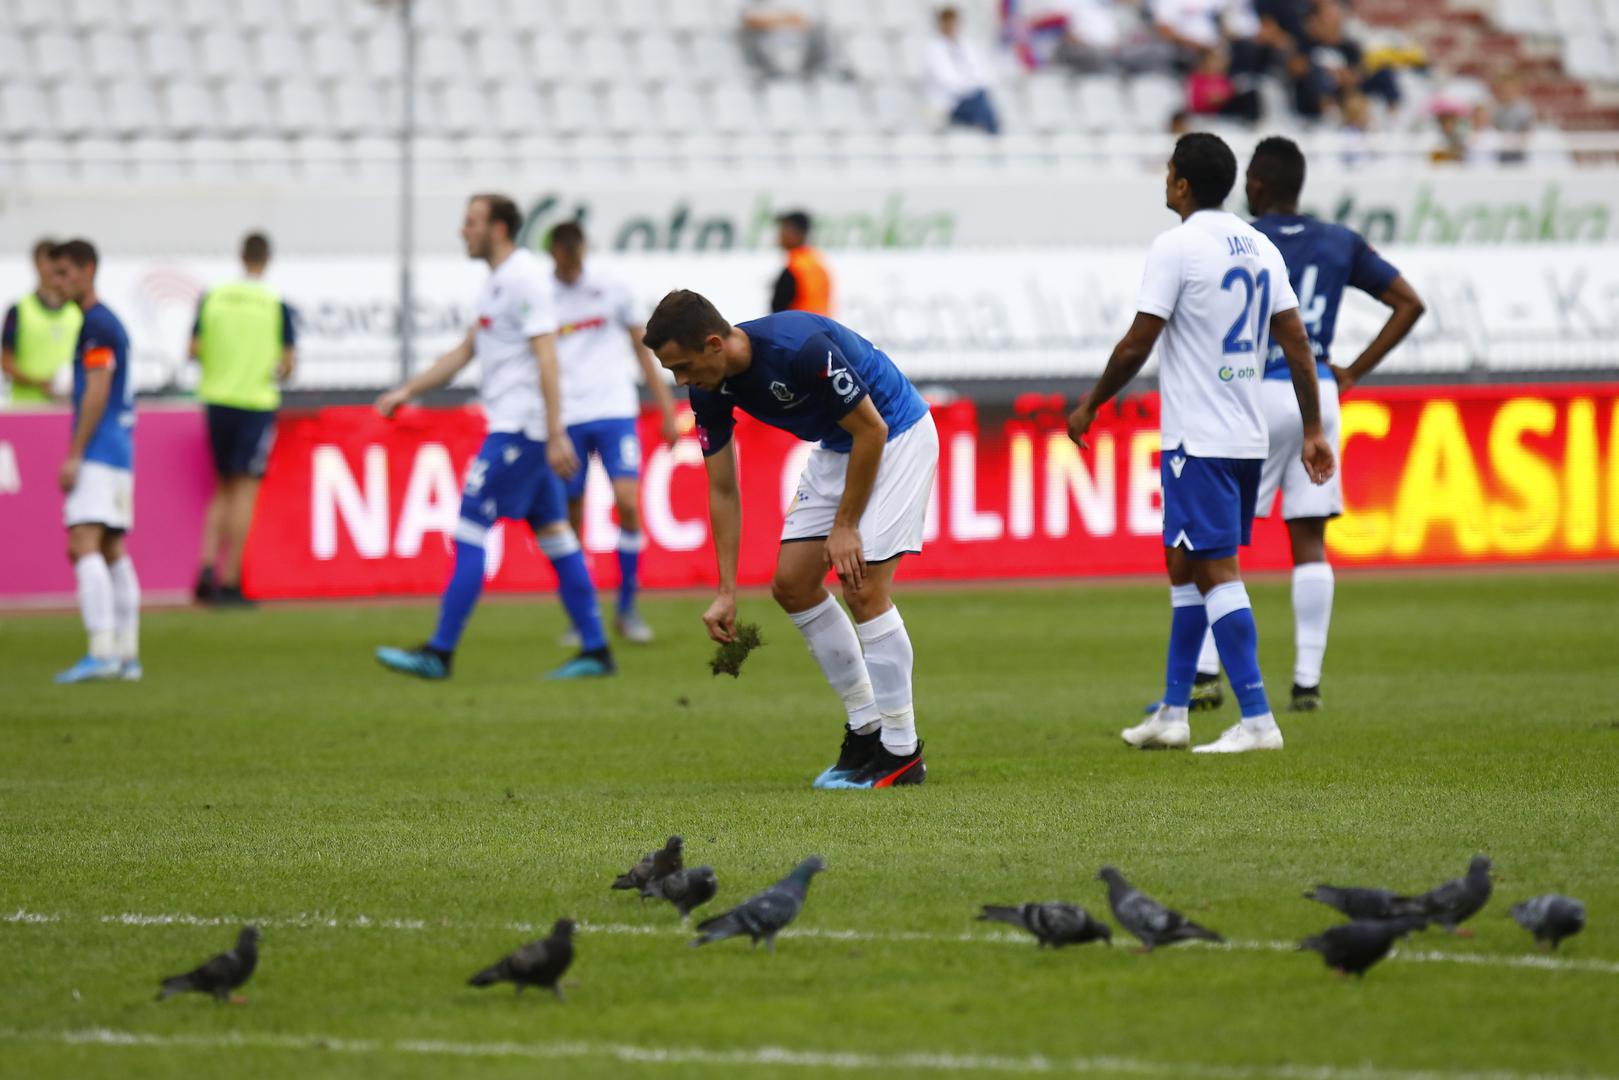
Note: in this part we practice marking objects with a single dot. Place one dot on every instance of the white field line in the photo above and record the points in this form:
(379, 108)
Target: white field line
(320, 921)
(754, 1057)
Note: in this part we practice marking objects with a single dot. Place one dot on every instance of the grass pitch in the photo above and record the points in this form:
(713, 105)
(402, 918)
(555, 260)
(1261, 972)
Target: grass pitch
(393, 836)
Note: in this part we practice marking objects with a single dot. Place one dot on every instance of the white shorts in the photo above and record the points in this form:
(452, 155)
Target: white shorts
(104, 495)
(1284, 468)
(897, 512)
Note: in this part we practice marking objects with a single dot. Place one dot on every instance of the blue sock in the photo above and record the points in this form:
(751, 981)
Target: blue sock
(629, 569)
(1238, 641)
(1186, 626)
(466, 583)
(578, 592)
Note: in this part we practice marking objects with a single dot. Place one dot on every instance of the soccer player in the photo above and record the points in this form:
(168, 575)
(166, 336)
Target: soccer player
(1214, 292)
(600, 402)
(1322, 259)
(244, 340)
(98, 476)
(861, 504)
(39, 334)
(515, 474)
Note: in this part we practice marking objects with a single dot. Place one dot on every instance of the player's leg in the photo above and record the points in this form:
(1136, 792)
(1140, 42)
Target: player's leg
(213, 520)
(1308, 507)
(1166, 726)
(94, 587)
(126, 604)
(255, 434)
(548, 517)
(574, 488)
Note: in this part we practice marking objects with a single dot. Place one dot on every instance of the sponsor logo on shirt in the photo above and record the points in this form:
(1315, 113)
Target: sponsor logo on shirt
(1226, 374)
(843, 383)
(583, 324)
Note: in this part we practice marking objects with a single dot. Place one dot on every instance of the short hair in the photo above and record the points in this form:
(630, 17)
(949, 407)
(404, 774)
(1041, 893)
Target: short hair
(948, 11)
(255, 249)
(1207, 165)
(568, 235)
(797, 219)
(504, 210)
(77, 252)
(1278, 163)
(685, 318)
(43, 247)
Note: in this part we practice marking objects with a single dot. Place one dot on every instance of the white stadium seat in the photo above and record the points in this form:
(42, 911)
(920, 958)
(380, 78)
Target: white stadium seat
(14, 64)
(895, 108)
(23, 110)
(628, 110)
(497, 57)
(603, 58)
(518, 109)
(199, 15)
(1524, 16)
(841, 109)
(462, 110)
(300, 107)
(549, 56)
(222, 54)
(260, 15)
(658, 58)
(1574, 16)
(485, 16)
(30, 15)
(132, 108)
(278, 54)
(151, 14)
(331, 54)
(678, 108)
(1155, 98)
(1590, 56)
(788, 108)
(584, 14)
(168, 54)
(86, 15)
(440, 58)
(79, 109)
(111, 50)
(384, 53)
(1102, 106)
(189, 107)
(732, 109)
(574, 110)
(244, 108)
(1051, 103)
(55, 56)
(357, 108)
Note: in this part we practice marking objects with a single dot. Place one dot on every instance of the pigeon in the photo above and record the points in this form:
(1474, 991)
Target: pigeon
(1551, 918)
(1459, 899)
(1366, 903)
(764, 915)
(222, 974)
(539, 963)
(653, 865)
(1052, 923)
(1352, 947)
(1147, 919)
(687, 890)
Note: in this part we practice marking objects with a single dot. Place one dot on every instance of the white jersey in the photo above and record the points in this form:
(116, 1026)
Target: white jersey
(514, 305)
(595, 314)
(1216, 281)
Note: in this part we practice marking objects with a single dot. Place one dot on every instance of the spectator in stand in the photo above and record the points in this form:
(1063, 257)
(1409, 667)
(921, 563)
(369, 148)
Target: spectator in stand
(1513, 117)
(40, 331)
(1193, 27)
(1455, 142)
(805, 284)
(1338, 62)
(782, 40)
(1357, 124)
(958, 78)
(1211, 92)
(1091, 39)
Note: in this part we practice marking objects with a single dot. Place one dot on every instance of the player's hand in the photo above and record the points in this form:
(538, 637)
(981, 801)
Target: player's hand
(1079, 422)
(847, 554)
(1344, 378)
(388, 402)
(67, 477)
(1318, 457)
(720, 618)
(671, 430)
(559, 453)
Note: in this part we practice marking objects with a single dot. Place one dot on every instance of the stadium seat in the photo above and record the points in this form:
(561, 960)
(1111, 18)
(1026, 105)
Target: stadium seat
(331, 54)
(320, 157)
(658, 58)
(168, 54)
(109, 49)
(132, 108)
(690, 15)
(841, 108)
(1571, 17)
(732, 109)
(265, 160)
(677, 107)
(41, 160)
(869, 58)
(440, 59)
(222, 54)
(496, 58)
(602, 58)
(149, 14)
(32, 15)
(486, 16)
(85, 16)
(55, 56)
(211, 160)
(278, 54)
(1102, 105)
(518, 109)
(189, 107)
(549, 57)
(357, 109)
(14, 64)
(574, 110)
(627, 110)
(300, 108)
(244, 108)
(154, 160)
(316, 14)
(384, 50)
(1155, 99)
(894, 108)
(787, 108)
(582, 15)
(23, 110)
(462, 109)
(256, 16)
(1590, 56)
(199, 15)
(1051, 104)
(1524, 16)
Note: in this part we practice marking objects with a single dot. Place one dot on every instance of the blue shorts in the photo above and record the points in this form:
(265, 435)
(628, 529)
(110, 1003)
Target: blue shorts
(1209, 503)
(614, 441)
(240, 440)
(509, 478)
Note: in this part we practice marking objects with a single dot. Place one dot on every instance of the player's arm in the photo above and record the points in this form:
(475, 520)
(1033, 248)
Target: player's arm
(194, 348)
(1407, 309)
(652, 371)
(725, 525)
(440, 373)
(558, 447)
(784, 292)
(844, 548)
(8, 355)
(92, 406)
(1125, 363)
(1287, 331)
(289, 346)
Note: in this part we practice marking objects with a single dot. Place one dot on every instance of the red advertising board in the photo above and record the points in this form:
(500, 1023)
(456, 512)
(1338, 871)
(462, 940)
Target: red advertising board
(355, 505)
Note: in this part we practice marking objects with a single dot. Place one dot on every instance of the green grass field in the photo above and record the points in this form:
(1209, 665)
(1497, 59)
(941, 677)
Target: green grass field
(391, 837)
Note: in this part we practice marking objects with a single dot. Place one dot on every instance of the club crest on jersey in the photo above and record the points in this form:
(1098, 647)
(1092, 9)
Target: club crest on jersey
(782, 391)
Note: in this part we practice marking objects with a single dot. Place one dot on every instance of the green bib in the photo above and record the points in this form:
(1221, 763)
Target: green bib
(45, 341)
(239, 346)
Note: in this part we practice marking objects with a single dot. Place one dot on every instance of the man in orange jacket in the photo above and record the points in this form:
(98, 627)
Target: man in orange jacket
(804, 284)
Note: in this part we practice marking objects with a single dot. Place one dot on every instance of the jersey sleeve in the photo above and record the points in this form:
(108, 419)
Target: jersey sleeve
(716, 420)
(823, 373)
(1161, 279)
(536, 306)
(784, 292)
(289, 329)
(1370, 272)
(101, 346)
(1283, 297)
(625, 309)
(8, 333)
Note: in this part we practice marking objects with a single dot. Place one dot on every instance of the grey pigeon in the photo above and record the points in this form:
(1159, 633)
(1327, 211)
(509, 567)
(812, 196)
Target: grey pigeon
(1360, 903)
(1353, 947)
(1551, 918)
(765, 915)
(1458, 900)
(1147, 919)
(222, 974)
(539, 963)
(1052, 923)
(687, 890)
(653, 865)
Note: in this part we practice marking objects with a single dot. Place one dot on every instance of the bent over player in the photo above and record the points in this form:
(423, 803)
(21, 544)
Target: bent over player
(861, 504)
(1213, 293)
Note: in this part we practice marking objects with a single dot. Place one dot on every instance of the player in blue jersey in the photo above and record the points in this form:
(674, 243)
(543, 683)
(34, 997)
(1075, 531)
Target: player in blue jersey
(98, 476)
(1213, 295)
(1323, 260)
(861, 504)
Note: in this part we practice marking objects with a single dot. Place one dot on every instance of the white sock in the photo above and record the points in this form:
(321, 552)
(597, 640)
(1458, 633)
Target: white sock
(1208, 659)
(95, 604)
(126, 608)
(889, 658)
(1312, 615)
(1174, 713)
(830, 635)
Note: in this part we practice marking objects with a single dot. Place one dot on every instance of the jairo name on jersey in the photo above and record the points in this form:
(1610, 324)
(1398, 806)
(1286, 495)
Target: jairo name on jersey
(1242, 245)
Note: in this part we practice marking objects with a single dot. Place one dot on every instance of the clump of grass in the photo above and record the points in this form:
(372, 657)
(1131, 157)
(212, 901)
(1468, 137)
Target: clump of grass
(729, 656)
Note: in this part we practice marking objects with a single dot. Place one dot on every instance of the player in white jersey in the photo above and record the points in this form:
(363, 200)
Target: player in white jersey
(515, 474)
(1214, 292)
(600, 330)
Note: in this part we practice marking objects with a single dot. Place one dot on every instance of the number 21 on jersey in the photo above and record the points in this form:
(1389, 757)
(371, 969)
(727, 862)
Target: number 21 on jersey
(1247, 331)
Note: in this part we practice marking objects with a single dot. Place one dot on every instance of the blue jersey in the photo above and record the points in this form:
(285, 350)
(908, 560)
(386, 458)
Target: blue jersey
(807, 374)
(103, 344)
(1322, 259)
